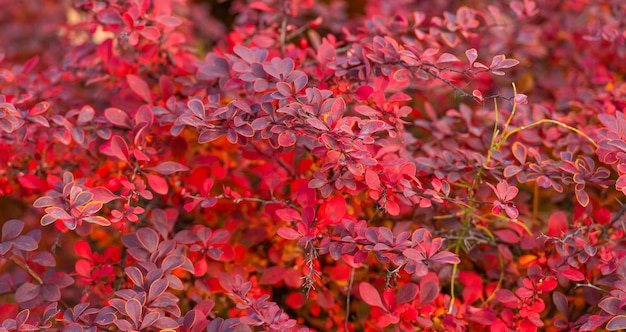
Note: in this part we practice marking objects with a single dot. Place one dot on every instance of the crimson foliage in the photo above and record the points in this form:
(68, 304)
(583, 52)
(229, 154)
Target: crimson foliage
(303, 165)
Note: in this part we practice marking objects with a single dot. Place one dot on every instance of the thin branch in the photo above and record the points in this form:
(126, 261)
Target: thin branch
(349, 298)
(283, 30)
(26, 268)
(258, 200)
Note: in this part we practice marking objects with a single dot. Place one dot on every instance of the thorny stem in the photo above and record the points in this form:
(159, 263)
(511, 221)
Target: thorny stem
(588, 284)
(311, 277)
(259, 200)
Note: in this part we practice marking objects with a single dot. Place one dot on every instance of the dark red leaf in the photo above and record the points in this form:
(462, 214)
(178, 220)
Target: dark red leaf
(117, 117)
(406, 293)
(119, 148)
(272, 275)
(506, 296)
(508, 236)
(169, 167)
(428, 293)
(560, 302)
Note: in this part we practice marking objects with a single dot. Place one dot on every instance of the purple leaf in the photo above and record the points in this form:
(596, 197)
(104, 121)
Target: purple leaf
(135, 275)
(616, 323)
(445, 257)
(26, 243)
(148, 238)
(50, 292)
(406, 293)
(11, 229)
(43, 258)
(133, 310)
(26, 292)
(157, 288)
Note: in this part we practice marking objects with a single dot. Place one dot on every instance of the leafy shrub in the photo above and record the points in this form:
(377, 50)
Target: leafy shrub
(298, 165)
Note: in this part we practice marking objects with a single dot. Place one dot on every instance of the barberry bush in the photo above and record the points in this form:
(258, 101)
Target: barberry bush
(285, 165)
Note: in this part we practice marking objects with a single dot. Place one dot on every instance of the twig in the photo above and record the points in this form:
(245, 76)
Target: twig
(283, 30)
(26, 268)
(259, 200)
(348, 298)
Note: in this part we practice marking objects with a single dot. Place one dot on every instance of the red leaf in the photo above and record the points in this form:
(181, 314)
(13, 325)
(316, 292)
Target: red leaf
(152, 34)
(103, 195)
(139, 86)
(272, 275)
(296, 300)
(288, 233)
(557, 224)
(370, 295)
(288, 215)
(335, 209)
(119, 148)
(287, 138)
(471, 55)
(117, 117)
(372, 180)
(473, 286)
(447, 57)
(506, 296)
(169, 167)
(157, 183)
(413, 254)
(29, 181)
(573, 275)
(200, 268)
(507, 236)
